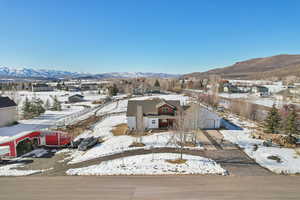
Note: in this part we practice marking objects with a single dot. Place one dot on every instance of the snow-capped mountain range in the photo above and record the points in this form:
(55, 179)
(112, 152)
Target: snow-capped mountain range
(44, 73)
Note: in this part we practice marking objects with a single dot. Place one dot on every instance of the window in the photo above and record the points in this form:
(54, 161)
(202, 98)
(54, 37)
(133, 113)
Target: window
(165, 109)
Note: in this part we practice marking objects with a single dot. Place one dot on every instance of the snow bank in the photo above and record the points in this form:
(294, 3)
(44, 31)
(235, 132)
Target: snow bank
(8, 170)
(151, 164)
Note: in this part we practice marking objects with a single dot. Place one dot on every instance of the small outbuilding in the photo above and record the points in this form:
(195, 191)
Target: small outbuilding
(76, 98)
(8, 111)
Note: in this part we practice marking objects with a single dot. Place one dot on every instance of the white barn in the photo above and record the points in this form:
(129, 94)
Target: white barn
(200, 117)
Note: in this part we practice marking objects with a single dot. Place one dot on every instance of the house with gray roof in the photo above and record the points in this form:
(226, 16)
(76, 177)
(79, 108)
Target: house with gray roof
(8, 111)
(152, 114)
(41, 87)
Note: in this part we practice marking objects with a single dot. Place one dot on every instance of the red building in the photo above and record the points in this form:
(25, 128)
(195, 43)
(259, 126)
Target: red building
(24, 142)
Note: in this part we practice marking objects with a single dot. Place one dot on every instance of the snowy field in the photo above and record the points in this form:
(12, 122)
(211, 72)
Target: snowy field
(152, 164)
(290, 160)
(62, 96)
(117, 144)
(234, 95)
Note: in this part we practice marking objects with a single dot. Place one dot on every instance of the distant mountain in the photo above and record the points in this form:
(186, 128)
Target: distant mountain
(278, 66)
(138, 74)
(56, 74)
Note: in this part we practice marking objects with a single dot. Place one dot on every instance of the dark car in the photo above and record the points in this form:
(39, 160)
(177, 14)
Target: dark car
(87, 143)
(75, 144)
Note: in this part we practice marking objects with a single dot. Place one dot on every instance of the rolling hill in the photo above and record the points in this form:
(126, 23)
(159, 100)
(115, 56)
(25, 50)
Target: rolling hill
(278, 67)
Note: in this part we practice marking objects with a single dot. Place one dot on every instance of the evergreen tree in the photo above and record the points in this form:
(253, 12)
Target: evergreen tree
(291, 126)
(272, 122)
(157, 84)
(113, 90)
(38, 105)
(56, 104)
(47, 104)
(26, 106)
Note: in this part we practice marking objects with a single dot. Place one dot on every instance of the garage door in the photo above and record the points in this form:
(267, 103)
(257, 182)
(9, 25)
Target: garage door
(210, 124)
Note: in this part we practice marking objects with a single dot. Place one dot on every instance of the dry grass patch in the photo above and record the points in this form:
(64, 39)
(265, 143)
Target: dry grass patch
(137, 144)
(297, 150)
(177, 161)
(121, 129)
(81, 126)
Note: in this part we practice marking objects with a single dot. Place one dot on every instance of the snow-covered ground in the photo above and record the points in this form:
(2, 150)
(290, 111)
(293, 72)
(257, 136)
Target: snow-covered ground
(116, 144)
(152, 164)
(290, 160)
(9, 170)
(268, 102)
(62, 96)
(117, 106)
(234, 95)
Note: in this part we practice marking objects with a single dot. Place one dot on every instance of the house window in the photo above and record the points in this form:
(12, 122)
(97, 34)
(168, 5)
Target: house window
(165, 110)
(153, 121)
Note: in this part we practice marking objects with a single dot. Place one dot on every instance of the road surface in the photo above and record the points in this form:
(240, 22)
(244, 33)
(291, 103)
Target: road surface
(151, 187)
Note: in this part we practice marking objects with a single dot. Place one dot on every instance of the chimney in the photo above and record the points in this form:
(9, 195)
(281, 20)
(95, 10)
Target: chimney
(139, 118)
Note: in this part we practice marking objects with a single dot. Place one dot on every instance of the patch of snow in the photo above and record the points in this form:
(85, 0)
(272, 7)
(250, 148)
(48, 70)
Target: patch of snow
(152, 164)
(9, 170)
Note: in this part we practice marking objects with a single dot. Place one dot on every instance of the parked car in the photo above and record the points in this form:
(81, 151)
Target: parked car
(75, 144)
(87, 143)
(220, 109)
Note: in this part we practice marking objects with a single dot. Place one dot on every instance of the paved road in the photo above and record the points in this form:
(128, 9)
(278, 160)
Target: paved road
(150, 188)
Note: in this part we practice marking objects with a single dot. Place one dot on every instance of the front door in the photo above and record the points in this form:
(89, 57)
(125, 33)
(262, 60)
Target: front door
(163, 123)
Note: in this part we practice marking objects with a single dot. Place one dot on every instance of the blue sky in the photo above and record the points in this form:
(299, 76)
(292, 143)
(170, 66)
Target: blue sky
(144, 35)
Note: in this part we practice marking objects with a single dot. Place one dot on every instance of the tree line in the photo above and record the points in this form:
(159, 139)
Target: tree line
(35, 107)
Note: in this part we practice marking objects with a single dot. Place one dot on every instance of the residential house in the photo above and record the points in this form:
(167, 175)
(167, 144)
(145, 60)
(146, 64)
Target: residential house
(41, 87)
(89, 86)
(261, 90)
(76, 98)
(152, 114)
(141, 89)
(8, 111)
(72, 88)
(229, 88)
